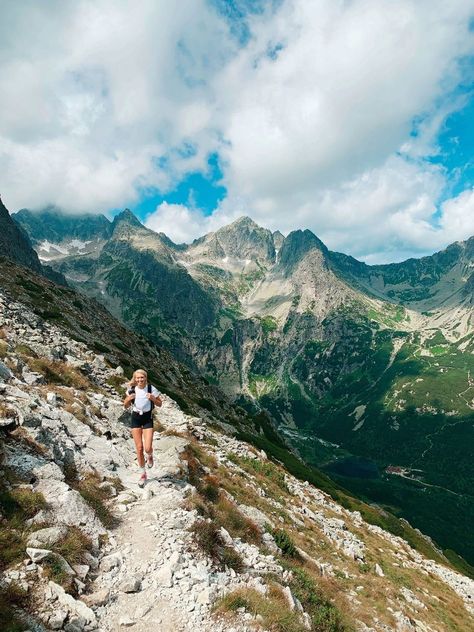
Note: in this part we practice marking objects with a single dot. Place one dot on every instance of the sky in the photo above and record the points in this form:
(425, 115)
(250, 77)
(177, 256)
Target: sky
(353, 118)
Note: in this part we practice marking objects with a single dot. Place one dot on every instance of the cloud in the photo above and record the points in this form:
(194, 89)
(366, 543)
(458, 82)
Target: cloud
(313, 129)
(100, 98)
(183, 224)
(312, 115)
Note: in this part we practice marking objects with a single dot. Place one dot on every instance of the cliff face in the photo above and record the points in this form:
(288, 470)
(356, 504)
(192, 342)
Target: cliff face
(221, 538)
(15, 243)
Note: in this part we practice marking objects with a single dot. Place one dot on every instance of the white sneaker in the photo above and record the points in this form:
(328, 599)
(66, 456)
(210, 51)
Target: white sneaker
(142, 480)
(149, 459)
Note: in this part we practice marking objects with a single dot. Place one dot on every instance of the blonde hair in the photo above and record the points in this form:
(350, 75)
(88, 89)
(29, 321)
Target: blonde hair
(133, 381)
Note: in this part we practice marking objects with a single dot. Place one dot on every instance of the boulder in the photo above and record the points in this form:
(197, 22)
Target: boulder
(74, 607)
(46, 537)
(5, 373)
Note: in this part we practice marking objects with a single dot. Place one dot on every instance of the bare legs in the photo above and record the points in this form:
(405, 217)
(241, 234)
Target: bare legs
(143, 438)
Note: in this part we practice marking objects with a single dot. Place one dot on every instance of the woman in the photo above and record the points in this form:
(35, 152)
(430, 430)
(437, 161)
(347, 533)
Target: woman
(144, 397)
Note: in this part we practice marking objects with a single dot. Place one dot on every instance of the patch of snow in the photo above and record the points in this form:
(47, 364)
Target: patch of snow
(77, 243)
(47, 246)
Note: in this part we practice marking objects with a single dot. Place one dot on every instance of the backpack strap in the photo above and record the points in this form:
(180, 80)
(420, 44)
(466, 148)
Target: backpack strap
(152, 403)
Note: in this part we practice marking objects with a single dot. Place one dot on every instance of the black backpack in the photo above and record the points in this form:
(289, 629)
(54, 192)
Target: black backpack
(132, 391)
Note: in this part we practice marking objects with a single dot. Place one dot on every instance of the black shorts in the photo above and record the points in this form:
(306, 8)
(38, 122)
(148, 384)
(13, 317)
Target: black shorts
(144, 421)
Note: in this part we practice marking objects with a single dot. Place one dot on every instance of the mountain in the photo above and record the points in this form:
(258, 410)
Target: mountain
(224, 537)
(56, 234)
(366, 370)
(15, 243)
(16, 246)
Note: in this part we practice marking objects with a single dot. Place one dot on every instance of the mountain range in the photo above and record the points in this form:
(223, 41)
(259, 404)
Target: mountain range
(367, 371)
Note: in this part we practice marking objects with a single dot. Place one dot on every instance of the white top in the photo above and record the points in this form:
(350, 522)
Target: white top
(141, 403)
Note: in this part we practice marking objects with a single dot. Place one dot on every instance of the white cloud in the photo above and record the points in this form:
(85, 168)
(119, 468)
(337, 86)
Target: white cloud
(312, 118)
(319, 136)
(99, 94)
(183, 224)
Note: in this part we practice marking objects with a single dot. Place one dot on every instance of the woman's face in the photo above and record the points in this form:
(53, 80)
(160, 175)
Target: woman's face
(141, 380)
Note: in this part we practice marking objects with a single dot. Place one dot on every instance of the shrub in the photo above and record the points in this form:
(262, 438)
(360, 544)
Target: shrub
(285, 543)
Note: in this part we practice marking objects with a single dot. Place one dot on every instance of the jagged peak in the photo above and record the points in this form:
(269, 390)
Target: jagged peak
(126, 217)
(243, 222)
(297, 245)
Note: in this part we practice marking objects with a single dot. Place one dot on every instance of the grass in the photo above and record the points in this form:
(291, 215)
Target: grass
(3, 349)
(210, 502)
(264, 469)
(95, 496)
(207, 537)
(117, 383)
(325, 615)
(23, 436)
(58, 372)
(273, 608)
(16, 506)
(12, 597)
(54, 570)
(73, 546)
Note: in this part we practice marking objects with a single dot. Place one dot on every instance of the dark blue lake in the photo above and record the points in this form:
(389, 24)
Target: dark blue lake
(354, 467)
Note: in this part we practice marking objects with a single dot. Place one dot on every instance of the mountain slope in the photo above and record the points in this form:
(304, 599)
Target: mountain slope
(15, 243)
(227, 538)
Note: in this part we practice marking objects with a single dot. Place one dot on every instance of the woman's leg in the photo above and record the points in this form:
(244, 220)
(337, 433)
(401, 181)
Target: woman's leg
(148, 441)
(137, 434)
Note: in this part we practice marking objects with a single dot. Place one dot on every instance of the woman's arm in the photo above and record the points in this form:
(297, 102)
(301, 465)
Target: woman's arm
(128, 400)
(154, 396)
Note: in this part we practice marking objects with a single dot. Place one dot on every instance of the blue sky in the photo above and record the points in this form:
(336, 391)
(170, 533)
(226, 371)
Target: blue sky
(352, 119)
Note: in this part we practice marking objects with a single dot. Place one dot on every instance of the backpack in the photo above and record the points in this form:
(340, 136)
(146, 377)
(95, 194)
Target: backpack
(132, 390)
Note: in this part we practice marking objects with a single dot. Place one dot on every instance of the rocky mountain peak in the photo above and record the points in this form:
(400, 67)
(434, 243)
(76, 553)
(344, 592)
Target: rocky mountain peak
(245, 239)
(126, 217)
(296, 246)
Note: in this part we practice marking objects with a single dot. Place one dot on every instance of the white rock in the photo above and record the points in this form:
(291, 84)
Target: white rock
(56, 620)
(126, 622)
(96, 599)
(131, 584)
(36, 555)
(46, 537)
(51, 398)
(81, 570)
(110, 561)
(73, 606)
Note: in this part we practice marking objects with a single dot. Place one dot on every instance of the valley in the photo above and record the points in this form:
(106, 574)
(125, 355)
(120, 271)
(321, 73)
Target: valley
(354, 363)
